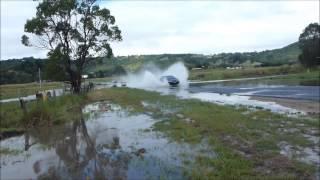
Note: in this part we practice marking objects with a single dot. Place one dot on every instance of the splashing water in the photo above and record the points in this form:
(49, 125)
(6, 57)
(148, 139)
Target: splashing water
(149, 78)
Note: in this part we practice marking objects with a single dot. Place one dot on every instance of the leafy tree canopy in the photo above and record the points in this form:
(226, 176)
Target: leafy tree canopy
(309, 41)
(77, 29)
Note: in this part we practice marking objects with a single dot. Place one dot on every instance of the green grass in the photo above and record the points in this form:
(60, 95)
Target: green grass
(54, 111)
(217, 74)
(303, 78)
(18, 90)
(10, 115)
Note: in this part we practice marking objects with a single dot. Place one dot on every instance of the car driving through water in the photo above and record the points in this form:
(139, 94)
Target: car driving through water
(171, 80)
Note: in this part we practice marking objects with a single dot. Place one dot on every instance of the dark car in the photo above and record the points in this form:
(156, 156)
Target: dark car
(173, 81)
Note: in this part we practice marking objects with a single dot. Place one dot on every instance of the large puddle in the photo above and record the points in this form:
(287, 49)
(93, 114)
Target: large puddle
(109, 142)
(283, 99)
(233, 99)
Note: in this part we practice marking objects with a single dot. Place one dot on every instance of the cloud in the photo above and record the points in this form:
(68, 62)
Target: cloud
(14, 15)
(181, 26)
(209, 26)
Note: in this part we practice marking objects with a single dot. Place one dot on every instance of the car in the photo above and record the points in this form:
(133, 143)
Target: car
(114, 83)
(123, 84)
(171, 80)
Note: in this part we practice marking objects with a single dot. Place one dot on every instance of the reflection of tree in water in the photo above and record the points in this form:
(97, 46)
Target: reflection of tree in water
(81, 157)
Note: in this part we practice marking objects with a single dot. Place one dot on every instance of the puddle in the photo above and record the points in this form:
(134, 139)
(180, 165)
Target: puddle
(224, 99)
(304, 154)
(230, 99)
(233, 98)
(109, 142)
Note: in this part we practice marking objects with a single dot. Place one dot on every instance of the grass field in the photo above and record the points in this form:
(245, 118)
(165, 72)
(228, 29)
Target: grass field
(305, 78)
(54, 111)
(217, 74)
(18, 90)
(246, 142)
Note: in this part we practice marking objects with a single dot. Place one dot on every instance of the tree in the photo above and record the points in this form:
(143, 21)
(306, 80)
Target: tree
(54, 68)
(309, 44)
(77, 30)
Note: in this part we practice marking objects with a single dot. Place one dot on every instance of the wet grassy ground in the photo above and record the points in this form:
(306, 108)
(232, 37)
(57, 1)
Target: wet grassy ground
(55, 111)
(248, 143)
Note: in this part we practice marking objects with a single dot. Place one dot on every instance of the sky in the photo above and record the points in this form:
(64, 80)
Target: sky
(201, 27)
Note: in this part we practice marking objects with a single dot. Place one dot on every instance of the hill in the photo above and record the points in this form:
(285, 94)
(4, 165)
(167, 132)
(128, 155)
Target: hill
(285, 55)
(25, 69)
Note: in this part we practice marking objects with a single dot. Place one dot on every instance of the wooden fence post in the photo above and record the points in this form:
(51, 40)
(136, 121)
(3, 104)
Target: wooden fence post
(23, 105)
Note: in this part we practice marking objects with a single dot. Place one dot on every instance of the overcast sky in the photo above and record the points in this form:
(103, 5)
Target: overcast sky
(205, 27)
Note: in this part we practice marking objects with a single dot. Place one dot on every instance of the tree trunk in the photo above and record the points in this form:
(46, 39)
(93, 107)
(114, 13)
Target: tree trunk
(76, 84)
(75, 78)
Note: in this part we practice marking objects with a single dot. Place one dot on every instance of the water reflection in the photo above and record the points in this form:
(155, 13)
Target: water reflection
(79, 155)
(106, 143)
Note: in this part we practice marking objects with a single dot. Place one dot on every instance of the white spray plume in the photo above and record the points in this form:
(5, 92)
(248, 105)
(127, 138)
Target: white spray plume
(149, 77)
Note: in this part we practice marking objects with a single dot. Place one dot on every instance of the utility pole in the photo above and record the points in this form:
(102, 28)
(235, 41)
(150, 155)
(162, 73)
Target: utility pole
(40, 78)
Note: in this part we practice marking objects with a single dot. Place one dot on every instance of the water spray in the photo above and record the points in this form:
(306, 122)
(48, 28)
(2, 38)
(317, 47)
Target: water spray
(149, 77)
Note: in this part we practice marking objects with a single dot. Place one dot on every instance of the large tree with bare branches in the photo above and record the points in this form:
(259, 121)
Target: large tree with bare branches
(74, 31)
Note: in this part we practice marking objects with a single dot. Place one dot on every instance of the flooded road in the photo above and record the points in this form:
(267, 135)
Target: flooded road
(264, 90)
(273, 97)
(109, 142)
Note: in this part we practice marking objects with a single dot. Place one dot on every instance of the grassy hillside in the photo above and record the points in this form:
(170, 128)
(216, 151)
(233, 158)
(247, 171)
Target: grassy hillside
(283, 56)
(286, 55)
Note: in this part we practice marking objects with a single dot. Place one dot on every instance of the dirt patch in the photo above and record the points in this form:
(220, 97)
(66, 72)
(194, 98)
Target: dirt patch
(309, 107)
(281, 165)
(242, 147)
(267, 163)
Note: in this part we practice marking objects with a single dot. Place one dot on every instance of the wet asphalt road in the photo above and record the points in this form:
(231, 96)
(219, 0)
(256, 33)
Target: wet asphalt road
(291, 92)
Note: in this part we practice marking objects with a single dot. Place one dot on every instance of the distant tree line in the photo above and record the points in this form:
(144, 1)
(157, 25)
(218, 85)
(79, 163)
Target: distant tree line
(20, 70)
(26, 70)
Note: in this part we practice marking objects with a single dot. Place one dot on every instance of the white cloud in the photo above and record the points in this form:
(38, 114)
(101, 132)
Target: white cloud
(210, 26)
(181, 26)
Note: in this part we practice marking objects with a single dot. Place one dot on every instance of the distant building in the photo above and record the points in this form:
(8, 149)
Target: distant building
(237, 67)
